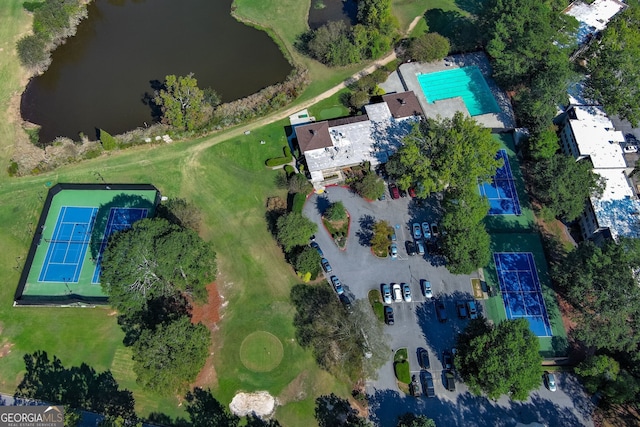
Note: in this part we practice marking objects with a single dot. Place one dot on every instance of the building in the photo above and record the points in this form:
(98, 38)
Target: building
(587, 133)
(593, 17)
(330, 146)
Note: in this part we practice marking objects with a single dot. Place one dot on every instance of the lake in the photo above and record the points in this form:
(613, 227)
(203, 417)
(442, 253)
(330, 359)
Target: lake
(323, 11)
(98, 79)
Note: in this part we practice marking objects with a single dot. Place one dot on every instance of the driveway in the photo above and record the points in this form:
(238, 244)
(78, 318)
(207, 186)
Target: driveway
(416, 324)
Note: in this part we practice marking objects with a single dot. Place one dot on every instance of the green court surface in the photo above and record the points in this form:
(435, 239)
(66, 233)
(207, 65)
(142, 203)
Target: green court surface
(31, 289)
(555, 346)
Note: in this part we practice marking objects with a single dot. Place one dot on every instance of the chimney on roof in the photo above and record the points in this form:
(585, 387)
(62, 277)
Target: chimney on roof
(313, 131)
(402, 101)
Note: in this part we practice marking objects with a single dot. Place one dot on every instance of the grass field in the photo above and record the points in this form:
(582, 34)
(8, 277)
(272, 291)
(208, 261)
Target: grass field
(228, 182)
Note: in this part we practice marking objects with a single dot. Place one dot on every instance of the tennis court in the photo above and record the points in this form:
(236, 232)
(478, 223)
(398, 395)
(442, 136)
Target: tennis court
(501, 191)
(119, 219)
(68, 245)
(466, 82)
(521, 291)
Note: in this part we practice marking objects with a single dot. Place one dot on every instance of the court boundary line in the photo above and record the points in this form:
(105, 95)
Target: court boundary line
(510, 179)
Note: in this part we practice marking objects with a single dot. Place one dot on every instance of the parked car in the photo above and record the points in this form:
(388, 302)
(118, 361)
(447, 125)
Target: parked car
(473, 309)
(450, 381)
(316, 246)
(346, 302)
(412, 192)
(630, 148)
(386, 293)
(388, 315)
(426, 231)
(326, 266)
(396, 291)
(427, 384)
(550, 381)
(441, 311)
(414, 388)
(394, 237)
(423, 358)
(462, 309)
(425, 285)
(417, 231)
(435, 231)
(403, 193)
(337, 285)
(393, 250)
(447, 360)
(411, 248)
(420, 247)
(393, 190)
(406, 292)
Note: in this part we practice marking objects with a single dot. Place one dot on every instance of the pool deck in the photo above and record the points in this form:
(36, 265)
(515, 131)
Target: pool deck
(446, 108)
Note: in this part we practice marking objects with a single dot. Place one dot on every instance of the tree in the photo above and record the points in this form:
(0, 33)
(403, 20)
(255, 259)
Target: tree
(298, 183)
(307, 261)
(601, 283)
(544, 144)
(205, 411)
(166, 359)
(412, 420)
(447, 155)
(429, 47)
(597, 371)
(336, 212)
(499, 360)
(294, 229)
(613, 68)
(381, 237)
(182, 103)
(180, 212)
(331, 44)
(466, 245)
(563, 185)
(155, 258)
(32, 52)
(334, 411)
(370, 186)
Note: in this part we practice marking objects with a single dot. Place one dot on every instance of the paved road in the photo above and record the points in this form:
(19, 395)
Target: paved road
(416, 324)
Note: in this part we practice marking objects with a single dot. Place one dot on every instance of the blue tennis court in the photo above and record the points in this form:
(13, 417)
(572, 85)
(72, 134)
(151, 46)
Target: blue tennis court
(521, 291)
(466, 82)
(501, 191)
(68, 245)
(119, 219)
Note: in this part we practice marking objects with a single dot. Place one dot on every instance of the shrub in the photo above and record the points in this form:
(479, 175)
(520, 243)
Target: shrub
(375, 299)
(32, 52)
(336, 212)
(429, 47)
(13, 168)
(289, 169)
(307, 261)
(298, 183)
(277, 161)
(298, 202)
(108, 142)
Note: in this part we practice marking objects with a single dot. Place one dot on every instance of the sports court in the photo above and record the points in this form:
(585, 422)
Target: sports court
(63, 263)
(466, 83)
(501, 191)
(521, 291)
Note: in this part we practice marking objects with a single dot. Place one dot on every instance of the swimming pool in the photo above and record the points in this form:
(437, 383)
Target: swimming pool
(466, 82)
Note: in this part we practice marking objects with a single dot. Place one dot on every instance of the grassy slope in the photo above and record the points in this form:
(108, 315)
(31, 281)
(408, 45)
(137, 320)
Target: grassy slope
(228, 182)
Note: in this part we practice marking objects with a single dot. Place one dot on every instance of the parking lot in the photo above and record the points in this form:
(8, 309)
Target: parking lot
(416, 324)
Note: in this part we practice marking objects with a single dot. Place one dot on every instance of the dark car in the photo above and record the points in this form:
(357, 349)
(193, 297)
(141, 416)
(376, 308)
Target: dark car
(411, 248)
(427, 384)
(393, 190)
(447, 360)
(473, 309)
(441, 311)
(325, 265)
(316, 246)
(450, 381)
(462, 309)
(346, 302)
(423, 358)
(388, 315)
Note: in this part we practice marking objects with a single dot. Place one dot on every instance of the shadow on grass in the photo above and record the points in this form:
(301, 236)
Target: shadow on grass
(461, 31)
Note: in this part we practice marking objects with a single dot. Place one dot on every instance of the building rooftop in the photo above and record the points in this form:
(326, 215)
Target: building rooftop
(403, 104)
(312, 136)
(621, 217)
(596, 137)
(593, 17)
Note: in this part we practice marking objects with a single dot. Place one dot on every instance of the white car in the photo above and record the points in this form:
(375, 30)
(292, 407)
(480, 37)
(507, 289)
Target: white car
(393, 250)
(426, 288)
(406, 292)
(629, 148)
(396, 292)
(550, 381)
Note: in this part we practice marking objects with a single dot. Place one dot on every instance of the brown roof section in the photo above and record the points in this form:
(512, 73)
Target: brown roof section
(348, 120)
(313, 136)
(403, 104)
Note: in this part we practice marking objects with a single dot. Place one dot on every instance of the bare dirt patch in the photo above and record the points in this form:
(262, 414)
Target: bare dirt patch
(5, 349)
(295, 390)
(209, 315)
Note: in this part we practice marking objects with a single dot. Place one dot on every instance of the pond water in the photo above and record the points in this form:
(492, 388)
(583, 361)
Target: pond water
(99, 78)
(323, 11)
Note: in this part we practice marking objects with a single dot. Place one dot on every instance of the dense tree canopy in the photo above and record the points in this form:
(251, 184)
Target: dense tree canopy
(602, 283)
(334, 411)
(369, 186)
(182, 102)
(448, 154)
(429, 47)
(307, 261)
(155, 258)
(205, 411)
(413, 420)
(499, 360)
(466, 246)
(166, 359)
(563, 185)
(294, 229)
(613, 66)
